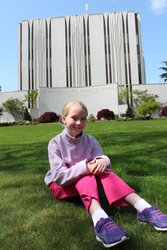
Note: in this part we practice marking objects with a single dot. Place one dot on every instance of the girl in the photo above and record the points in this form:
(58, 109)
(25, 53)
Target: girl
(77, 166)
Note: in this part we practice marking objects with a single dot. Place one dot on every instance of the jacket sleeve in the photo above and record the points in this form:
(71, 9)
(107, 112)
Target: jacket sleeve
(98, 153)
(62, 174)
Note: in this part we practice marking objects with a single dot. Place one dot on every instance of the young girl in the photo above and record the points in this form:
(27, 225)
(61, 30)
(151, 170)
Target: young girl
(77, 166)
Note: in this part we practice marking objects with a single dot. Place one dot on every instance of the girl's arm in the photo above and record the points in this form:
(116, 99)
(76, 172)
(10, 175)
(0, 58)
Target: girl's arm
(60, 173)
(98, 167)
(100, 164)
(98, 153)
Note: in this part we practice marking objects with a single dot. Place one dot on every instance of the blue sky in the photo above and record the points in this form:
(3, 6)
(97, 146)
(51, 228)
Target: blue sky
(153, 25)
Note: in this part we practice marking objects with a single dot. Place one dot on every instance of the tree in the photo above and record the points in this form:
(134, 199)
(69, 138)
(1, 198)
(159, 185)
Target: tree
(0, 88)
(164, 75)
(129, 112)
(26, 115)
(140, 97)
(15, 107)
(125, 97)
(148, 108)
(31, 97)
(1, 111)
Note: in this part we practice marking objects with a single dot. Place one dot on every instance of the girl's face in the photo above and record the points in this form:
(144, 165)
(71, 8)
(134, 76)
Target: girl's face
(75, 121)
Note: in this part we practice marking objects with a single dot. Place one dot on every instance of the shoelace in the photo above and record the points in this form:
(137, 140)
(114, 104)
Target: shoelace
(159, 213)
(111, 225)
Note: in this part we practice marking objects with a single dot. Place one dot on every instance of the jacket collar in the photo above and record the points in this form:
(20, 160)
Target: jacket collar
(71, 138)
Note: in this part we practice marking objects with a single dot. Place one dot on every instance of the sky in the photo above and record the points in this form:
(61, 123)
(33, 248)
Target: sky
(153, 27)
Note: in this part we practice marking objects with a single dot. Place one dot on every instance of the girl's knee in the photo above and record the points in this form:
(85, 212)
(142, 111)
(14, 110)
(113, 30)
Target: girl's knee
(86, 180)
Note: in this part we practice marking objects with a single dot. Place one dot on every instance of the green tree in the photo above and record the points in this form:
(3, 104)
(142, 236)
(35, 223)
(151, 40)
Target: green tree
(140, 97)
(148, 108)
(125, 97)
(164, 75)
(31, 97)
(129, 112)
(1, 111)
(0, 88)
(15, 107)
(26, 115)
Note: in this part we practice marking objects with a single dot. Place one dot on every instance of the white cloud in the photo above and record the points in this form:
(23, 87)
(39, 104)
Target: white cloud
(158, 6)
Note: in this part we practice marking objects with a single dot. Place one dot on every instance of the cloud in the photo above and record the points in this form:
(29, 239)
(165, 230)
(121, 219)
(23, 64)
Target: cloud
(158, 6)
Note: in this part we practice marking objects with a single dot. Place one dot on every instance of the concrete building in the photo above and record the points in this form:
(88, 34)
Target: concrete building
(80, 51)
(90, 57)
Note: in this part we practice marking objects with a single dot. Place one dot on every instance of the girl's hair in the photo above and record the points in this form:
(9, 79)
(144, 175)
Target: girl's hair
(68, 105)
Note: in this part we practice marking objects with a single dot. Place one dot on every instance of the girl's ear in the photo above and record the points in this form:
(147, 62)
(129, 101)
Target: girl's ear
(63, 119)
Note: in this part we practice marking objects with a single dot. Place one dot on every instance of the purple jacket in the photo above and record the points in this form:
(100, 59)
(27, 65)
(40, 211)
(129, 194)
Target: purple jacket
(68, 157)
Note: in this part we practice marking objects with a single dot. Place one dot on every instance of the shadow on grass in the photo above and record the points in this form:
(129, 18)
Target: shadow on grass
(32, 212)
(131, 154)
(23, 157)
(146, 151)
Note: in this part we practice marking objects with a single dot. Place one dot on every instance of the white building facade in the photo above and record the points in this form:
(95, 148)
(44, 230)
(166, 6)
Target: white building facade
(80, 51)
(91, 57)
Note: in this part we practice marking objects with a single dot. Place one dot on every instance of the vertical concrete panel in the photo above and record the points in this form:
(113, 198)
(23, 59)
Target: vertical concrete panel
(77, 51)
(25, 59)
(133, 48)
(97, 51)
(39, 45)
(48, 47)
(142, 63)
(117, 48)
(58, 57)
(30, 54)
(19, 57)
(126, 46)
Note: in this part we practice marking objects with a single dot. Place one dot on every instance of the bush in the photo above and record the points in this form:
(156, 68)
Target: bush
(48, 117)
(106, 114)
(15, 107)
(26, 115)
(164, 111)
(1, 111)
(146, 109)
(91, 118)
(122, 115)
(129, 112)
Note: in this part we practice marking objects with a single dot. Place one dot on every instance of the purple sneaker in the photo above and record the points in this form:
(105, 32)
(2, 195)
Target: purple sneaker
(108, 233)
(153, 216)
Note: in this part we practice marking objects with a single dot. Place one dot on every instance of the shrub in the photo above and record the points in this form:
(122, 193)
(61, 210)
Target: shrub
(1, 111)
(140, 97)
(122, 115)
(48, 117)
(34, 123)
(26, 115)
(5, 124)
(146, 109)
(164, 111)
(15, 107)
(129, 112)
(106, 114)
(91, 118)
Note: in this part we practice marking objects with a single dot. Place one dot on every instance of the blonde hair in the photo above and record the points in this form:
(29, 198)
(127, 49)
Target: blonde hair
(68, 105)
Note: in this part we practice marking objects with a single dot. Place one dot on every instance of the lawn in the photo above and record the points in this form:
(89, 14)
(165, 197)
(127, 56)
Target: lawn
(30, 218)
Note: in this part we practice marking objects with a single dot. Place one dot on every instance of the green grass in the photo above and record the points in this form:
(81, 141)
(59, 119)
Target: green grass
(30, 218)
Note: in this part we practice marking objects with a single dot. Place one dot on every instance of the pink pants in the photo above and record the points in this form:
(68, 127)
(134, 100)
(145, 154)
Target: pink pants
(114, 187)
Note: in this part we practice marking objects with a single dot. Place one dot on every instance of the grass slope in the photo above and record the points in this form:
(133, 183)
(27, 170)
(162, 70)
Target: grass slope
(30, 218)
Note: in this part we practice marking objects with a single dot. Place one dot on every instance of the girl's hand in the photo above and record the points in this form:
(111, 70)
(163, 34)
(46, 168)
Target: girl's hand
(98, 166)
